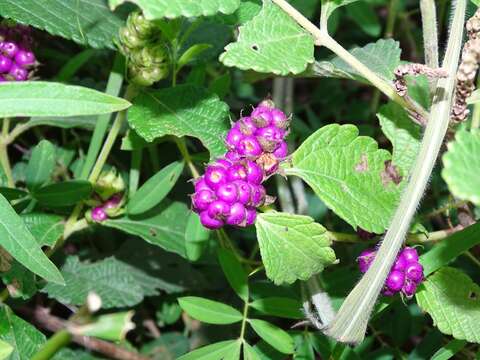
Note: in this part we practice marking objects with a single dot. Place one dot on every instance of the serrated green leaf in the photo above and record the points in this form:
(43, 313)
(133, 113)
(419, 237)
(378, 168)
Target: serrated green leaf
(5, 350)
(382, 57)
(62, 194)
(452, 299)
(41, 165)
(462, 166)
(216, 351)
(25, 339)
(350, 175)
(292, 246)
(273, 335)
(403, 133)
(20, 243)
(196, 237)
(279, 306)
(209, 311)
(272, 42)
(163, 226)
(329, 6)
(40, 98)
(234, 272)
(155, 189)
(117, 284)
(171, 9)
(45, 228)
(21, 281)
(450, 248)
(184, 110)
(87, 22)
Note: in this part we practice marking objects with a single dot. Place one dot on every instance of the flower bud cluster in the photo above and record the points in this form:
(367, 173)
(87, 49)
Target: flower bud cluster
(231, 189)
(16, 57)
(146, 53)
(405, 275)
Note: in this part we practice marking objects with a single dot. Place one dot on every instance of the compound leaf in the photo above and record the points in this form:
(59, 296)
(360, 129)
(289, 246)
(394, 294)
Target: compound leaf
(209, 311)
(273, 335)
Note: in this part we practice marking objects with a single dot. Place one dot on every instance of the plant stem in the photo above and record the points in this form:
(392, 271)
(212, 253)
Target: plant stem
(430, 34)
(59, 340)
(323, 39)
(476, 113)
(472, 258)
(4, 160)
(392, 16)
(182, 146)
(244, 320)
(134, 177)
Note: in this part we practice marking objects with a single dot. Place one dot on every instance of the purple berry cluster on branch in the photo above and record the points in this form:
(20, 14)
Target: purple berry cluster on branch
(406, 273)
(231, 189)
(16, 57)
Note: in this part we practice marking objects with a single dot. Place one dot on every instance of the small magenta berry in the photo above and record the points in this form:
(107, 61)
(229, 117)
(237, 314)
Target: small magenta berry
(249, 147)
(233, 137)
(409, 288)
(279, 119)
(258, 195)
(9, 49)
(395, 280)
(400, 264)
(254, 172)
(262, 116)
(409, 254)
(200, 184)
(112, 203)
(414, 272)
(209, 222)
(218, 209)
(18, 73)
(215, 176)
(251, 216)
(98, 214)
(25, 58)
(246, 126)
(281, 151)
(271, 134)
(237, 172)
(223, 163)
(227, 192)
(202, 199)
(233, 156)
(237, 215)
(365, 259)
(244, 191)
(5, 64)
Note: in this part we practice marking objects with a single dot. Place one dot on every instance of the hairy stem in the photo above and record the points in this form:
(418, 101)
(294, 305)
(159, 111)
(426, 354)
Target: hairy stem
(182, 147)
(430, 34)
(59, 340)
(351, 321)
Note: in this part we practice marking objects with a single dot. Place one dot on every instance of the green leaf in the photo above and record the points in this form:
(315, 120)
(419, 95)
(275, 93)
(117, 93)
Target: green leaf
(69, 354)
(196, 237)
(182, 110)
(363, 14)
(112, 327)
(45, 228)
(449, 350)
(25, 339)
(62, 194)
(452, 299)
(87, 22)
(20, 243)
(5, 350)
(155, 189)
(234, 353)
(450, 248)
(117, 284)
(382, 57)
(272, 42)
(215, 351)
(171, 9)
(84, 122)
(234, 272)
(169, 346)
(279, 306)
(41, 165)
(462, 166)
(163, 226)
(209, 311)
(273, 335)
(350, 175)
(329, 6)
(191, 54)
(40, 98)
(292, 246)
(249, 353)
(403, 133)
(12, 194)
(21, 282)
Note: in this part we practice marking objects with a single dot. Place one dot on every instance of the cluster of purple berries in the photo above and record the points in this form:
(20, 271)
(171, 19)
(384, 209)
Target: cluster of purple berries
(101, 213)
(231, 189)
(16, 56)
(406, 273)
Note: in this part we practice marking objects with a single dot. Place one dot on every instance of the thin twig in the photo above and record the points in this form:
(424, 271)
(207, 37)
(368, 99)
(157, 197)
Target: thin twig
(430, 34)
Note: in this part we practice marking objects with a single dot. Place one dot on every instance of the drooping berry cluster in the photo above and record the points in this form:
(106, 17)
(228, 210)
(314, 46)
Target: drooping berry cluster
(231, 189)
(16, 57)
(406, 273)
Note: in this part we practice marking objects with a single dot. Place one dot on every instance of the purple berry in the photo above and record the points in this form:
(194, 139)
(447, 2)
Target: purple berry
(365, 259)
(409, 288)
(244, 191)
(202, 199)
(232, 156)
(271, 134)
(251, 216)
(9, 49)
(249, 147)
(113, 202)
(200, 184)
(262, 116)
(98, 214)
(5, 64)
(227, 192)
(400, 264)
(218, 209)
(209, 222)
(18, 73)
(25, 58)
(245, 125)
(223, 163)
(409, 254)
(258, 195)
(215, 176)
(254, 172)
(237, 172)
(281, 151)
(395, 280)
(414, 272)
(237, 214)
(279, 119)
(233, 137)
